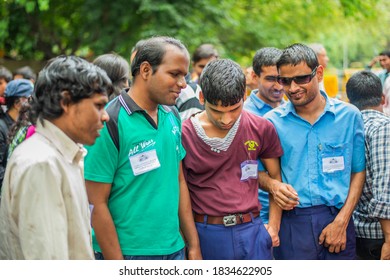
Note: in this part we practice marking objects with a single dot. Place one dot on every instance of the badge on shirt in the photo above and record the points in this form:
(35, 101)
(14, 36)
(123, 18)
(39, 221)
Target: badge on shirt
(332, 164)
(249, 170)
(144, 162)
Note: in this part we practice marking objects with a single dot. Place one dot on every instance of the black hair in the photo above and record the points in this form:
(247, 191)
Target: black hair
(73, 75)
(22, 121)
(137, 46)
(204, 51)
(153, 50)
(296, 54)
(386, 53)
(265, 57)
(10, 101)
(117, 69)
(364, 90)
(223, 80)
(5, 74)
(26, 72)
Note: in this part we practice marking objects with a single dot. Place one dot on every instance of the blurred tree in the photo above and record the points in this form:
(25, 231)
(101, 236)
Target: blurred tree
(41, 29)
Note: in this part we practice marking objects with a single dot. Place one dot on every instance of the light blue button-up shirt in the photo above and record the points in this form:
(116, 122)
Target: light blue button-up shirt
(255, 105)
(309, 150)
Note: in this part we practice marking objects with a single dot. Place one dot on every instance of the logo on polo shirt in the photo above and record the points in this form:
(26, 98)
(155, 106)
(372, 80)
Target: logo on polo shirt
(175, 130)
(141, 146)
(251, 145)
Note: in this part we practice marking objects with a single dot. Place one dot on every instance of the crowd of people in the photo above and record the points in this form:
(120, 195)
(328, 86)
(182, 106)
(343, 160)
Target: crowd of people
(144, 160)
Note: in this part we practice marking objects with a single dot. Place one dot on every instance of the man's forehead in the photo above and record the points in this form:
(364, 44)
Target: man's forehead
(299, 66)
(175, 50)
(175, 53)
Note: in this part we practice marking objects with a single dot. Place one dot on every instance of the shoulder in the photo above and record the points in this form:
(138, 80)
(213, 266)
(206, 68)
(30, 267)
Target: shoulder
(255, 122)
(376, 123)
(173, 111)
(3, 125)
(344, 109)
(113, 108)
(34, 151)
(187, 126)
(277, 112)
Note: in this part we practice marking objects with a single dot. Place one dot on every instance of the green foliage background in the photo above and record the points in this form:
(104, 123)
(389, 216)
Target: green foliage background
(351, 30)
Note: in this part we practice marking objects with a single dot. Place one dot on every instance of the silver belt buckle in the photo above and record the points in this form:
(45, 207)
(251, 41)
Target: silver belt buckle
(229, 220)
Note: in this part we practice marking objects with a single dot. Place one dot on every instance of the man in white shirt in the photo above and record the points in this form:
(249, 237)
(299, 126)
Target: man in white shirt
(44, 210)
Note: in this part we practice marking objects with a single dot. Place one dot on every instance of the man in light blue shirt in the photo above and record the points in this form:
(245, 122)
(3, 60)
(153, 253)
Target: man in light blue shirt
(323, 164)
(384, 60)
(268, 95)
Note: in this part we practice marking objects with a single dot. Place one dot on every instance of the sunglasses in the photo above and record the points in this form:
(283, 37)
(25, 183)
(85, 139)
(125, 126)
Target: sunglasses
(299, 80)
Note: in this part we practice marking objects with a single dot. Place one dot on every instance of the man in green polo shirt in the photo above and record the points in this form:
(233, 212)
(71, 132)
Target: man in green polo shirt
(133, 172)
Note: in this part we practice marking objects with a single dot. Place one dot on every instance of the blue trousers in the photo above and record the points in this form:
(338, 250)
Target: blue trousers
(299, 234)
(248, 241)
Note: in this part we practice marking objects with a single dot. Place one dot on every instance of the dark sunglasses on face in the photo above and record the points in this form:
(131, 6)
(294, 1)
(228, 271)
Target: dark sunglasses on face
(299, 80)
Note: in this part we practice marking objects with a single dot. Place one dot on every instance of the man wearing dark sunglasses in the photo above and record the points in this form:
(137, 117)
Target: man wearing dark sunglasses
(323, 164)
(268, 95)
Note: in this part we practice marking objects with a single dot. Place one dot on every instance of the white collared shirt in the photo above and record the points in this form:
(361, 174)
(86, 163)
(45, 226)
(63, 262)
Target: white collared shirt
(44, 210)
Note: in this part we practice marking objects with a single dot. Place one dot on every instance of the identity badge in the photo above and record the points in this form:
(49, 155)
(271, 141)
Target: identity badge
(332, 164)
(249, 170)
(144, 162)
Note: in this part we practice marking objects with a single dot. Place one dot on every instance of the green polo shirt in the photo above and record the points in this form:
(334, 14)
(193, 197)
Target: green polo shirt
(144, 199)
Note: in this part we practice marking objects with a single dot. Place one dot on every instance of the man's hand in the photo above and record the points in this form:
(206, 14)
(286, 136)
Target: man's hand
(284, 195)
(334, 237)
(385, 253)
(194, 253)
(274, 235)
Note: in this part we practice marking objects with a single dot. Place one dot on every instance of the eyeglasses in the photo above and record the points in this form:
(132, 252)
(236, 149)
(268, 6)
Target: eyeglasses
(299, 80)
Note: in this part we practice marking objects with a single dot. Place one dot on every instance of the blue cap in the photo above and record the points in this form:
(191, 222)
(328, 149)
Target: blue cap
(19, 88)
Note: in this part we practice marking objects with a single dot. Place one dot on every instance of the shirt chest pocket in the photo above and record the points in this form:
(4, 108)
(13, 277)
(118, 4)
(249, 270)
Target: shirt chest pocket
(335, 159)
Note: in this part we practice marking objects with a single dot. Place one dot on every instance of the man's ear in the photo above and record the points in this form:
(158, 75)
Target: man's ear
(65, 100)
(201, 98)
(145, 70)
(383, 100)
(254, 76)
(320, 73)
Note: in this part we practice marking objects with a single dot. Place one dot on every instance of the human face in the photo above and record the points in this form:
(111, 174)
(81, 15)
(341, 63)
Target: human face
(3, 85)
(223, 117)
(201, 64)
(384, 61)
(251, 82)
(323, 58)
(270, 91)
(86, 118)
(165, 84)
(301, 94)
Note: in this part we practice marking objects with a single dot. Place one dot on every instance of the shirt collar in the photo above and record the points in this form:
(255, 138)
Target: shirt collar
(130, 106)
(72, 151)
(368, 113)
(329, 106)
(259, 104)
(128, 103)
